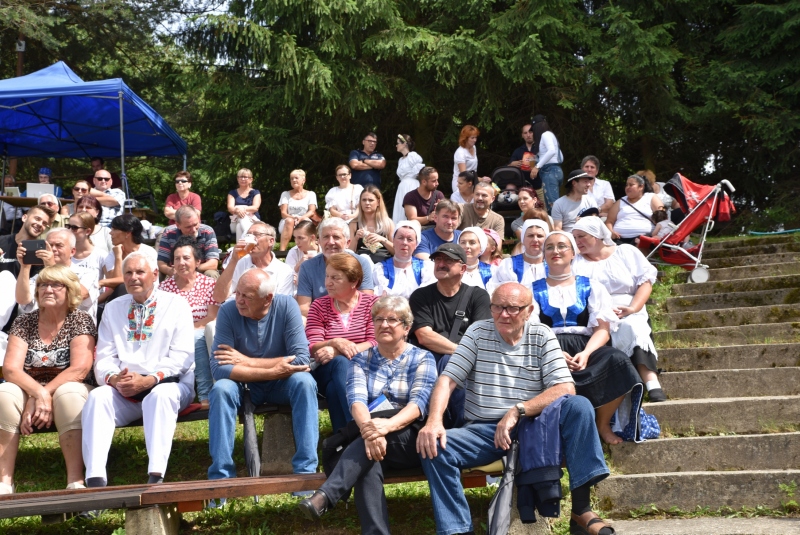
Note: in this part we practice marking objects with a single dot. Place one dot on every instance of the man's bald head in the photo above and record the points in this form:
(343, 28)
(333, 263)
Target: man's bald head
(507, 292)
(254, 293)
(258, 281)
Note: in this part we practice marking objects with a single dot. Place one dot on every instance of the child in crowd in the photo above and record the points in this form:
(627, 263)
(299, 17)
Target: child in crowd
(663, 225)
(305, 238)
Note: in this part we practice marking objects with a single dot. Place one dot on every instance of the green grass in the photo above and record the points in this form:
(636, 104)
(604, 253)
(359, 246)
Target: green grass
(661, 290)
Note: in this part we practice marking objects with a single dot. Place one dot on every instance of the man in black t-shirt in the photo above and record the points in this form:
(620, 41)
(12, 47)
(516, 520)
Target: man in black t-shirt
(419, 204)
(34, 223)
(434, 308)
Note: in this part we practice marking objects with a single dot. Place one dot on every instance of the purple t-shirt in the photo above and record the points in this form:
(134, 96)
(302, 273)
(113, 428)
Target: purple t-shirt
(416, 200)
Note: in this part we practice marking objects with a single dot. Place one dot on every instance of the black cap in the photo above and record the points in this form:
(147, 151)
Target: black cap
(586, 212)
(451, 250)
(576, 174)
(538, 119)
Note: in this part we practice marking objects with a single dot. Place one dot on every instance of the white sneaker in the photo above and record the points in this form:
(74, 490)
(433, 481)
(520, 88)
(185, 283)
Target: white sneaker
(5, 488)
(75, 485)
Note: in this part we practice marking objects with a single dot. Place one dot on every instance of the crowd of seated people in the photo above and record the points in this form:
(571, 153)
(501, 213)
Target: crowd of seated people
(419, 314)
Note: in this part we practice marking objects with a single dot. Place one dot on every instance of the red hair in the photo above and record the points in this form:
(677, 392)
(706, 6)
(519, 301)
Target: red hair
(467, 132)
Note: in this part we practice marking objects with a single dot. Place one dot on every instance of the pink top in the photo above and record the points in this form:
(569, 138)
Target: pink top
(325, 323)
(174, 201)
(199, 297)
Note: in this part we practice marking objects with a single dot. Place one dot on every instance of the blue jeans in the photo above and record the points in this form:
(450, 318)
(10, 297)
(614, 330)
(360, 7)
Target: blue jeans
(298, 390)
(473, 445)
(454, 413)
(202, 371)
(552, 176)
(332, 383)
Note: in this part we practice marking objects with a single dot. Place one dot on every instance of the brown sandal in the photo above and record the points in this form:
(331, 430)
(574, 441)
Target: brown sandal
(593, 526)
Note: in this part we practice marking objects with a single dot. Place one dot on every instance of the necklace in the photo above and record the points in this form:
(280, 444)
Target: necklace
(562, 277)
(537, 257)
(473, 266)
(339, 308)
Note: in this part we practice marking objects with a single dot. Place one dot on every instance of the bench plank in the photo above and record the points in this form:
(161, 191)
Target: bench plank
(57, 502)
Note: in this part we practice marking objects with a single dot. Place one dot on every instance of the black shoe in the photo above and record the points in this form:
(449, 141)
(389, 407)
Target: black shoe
(657, 395)
(314, 507)
(91, 515)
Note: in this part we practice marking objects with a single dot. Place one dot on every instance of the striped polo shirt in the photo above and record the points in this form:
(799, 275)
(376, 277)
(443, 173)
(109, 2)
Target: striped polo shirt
(497, 375)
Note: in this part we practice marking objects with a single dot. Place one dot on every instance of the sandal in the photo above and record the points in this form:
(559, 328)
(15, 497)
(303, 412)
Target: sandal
(5, 488)
(593, 527)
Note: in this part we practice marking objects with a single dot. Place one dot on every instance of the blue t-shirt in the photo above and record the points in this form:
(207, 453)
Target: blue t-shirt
(311, 279)
(430, 241)
(370, 176)
(278, 334)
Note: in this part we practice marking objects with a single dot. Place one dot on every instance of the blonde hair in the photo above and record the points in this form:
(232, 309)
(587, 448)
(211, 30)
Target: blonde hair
(65, 276)
(299, 172)
(244, 170)
(382, 220)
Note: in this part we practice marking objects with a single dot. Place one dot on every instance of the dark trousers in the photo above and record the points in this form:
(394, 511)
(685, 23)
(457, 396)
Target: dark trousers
(454, 414)
(355, 471)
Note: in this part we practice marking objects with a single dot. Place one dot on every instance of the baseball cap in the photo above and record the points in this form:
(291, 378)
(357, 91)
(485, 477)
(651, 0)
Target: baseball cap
(451, 250)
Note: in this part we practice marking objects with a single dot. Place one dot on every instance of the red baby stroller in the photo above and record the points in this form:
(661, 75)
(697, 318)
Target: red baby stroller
(703, 205)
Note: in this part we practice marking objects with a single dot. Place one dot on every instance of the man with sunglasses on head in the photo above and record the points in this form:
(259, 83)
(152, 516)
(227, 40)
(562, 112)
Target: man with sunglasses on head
(443, 311)
(511, 370)
(111, 199)
(366, 164)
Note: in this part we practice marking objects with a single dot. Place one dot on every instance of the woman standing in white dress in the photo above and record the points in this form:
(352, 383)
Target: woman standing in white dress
(466, 155)
(529, 266)
(408, 167)
(629, 278)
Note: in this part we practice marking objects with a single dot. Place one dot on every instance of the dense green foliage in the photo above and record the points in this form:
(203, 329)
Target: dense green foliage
(707, 88)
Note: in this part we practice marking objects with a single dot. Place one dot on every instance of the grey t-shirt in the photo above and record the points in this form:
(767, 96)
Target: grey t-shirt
(566, 210)
(311, 279)
(497, 376)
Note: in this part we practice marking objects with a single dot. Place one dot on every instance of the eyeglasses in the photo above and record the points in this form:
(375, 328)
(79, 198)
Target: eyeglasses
(391, 322)
(103, 178)
(244, 176)
(342, 174)
(53, 285)
(261, 234)
(48, 203)
(181, 181)
(81, 190)
(561, 247)
(510, 310)
(73, 227)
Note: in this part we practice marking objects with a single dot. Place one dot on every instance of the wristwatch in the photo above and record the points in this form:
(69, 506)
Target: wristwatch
(520, 409)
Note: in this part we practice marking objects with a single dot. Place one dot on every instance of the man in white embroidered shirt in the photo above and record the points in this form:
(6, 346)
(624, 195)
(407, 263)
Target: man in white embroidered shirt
(145, 364)
(510, 368)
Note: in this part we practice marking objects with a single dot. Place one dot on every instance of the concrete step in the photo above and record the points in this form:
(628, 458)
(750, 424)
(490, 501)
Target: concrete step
(710, 526)
(749, 250)
(747, 272)
(619, 495)
(781, 296)
(753, 284)
(763, 333)
(747, 242)
(727, 415)
(728, 317)
(724, 383)
(729, 357)
(753, 260)
(776, 451)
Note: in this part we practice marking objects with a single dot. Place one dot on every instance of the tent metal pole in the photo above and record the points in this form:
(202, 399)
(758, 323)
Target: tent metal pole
(122, 152)
(5, 158)
(184, 162)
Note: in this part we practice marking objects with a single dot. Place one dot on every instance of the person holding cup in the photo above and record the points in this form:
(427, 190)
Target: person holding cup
(254, 250)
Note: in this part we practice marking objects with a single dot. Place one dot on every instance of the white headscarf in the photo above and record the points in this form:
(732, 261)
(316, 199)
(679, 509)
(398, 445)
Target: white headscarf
(533, 223)
(594, 226)
(413, 225)
(568, 235)
(480, 234)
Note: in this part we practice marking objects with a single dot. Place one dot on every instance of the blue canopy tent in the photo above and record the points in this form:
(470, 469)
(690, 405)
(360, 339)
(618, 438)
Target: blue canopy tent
(52, 113)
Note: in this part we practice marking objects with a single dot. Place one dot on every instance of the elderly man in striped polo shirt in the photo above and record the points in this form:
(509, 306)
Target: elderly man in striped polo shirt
(510, 368)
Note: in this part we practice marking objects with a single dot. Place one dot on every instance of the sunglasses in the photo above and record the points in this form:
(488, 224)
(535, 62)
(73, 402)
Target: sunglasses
(103, 178)
(181, 181)
(73, 227)
(81, 190)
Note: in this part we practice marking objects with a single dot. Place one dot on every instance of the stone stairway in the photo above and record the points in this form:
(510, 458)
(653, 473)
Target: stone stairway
(731, 355)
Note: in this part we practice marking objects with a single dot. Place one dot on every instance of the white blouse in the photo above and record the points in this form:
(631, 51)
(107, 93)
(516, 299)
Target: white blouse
(297, 207)
(505, 273)
(344, 199)
(409, 166)
(464, 156)
(404, 280)
(632, 224)
(621, 273)
(599, 304)
(473, 278)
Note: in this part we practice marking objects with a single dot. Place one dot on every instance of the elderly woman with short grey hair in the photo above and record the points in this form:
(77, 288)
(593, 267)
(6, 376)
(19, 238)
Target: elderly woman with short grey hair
(395, 376)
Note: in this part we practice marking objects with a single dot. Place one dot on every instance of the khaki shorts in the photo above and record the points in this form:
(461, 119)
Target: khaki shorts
(68, 402)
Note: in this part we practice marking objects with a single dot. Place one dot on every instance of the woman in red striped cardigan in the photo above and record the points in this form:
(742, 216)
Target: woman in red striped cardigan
(339, 327)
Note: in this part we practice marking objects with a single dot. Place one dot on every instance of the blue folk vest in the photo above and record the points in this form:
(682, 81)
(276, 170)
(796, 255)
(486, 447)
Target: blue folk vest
(388, 270)
(577, 314)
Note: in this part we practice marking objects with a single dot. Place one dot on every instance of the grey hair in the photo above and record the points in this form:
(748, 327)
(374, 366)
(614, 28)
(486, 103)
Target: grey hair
(336, 222)
(397, 304)
(594, 159)
(269, 228)
(43, 195)
(60, 230)
(185, 211)
(151, 262)
(267, 286)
